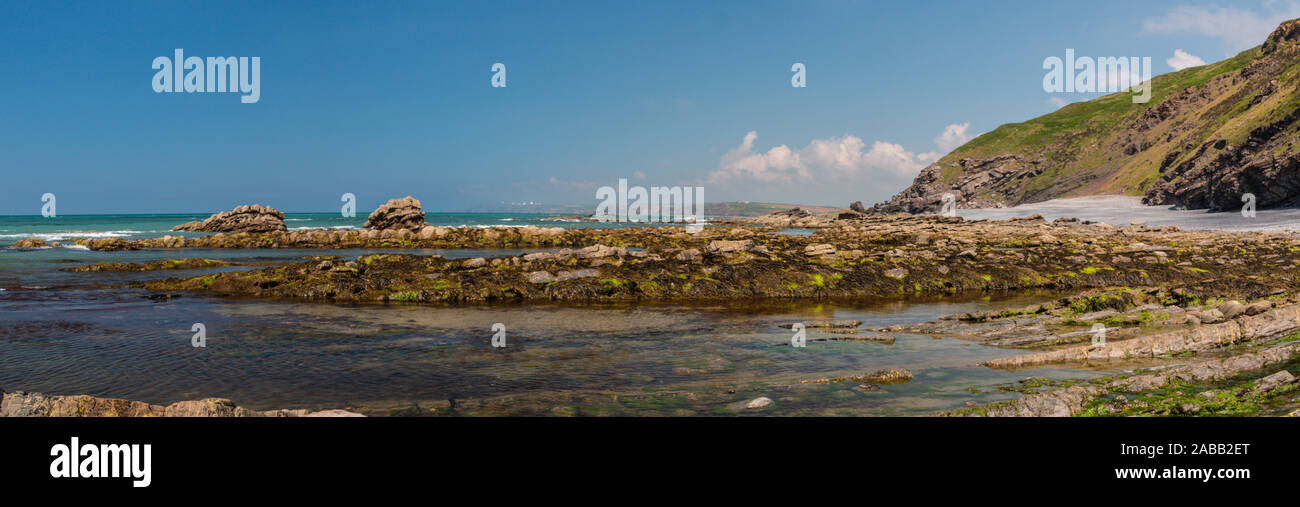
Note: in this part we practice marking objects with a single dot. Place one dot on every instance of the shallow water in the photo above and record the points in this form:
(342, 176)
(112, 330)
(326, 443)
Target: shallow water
(264, 355)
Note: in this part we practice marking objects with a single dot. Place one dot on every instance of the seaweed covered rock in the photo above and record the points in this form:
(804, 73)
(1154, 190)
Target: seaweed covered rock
(246, 218)
(404, 213)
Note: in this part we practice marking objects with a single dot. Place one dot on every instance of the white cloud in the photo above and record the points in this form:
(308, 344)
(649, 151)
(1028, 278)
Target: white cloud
(1237, 28)
(953, 136)
(1057, 101)
(842, 159)
(779, 164)
(1182, 60)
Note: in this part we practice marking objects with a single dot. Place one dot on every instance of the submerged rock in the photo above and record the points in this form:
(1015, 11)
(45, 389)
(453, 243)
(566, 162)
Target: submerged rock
(841, 323)
(247, 218)
(885, 376)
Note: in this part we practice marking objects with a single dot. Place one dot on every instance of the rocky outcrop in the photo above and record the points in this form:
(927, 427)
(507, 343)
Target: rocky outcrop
(30, 243)
(404, 213)
(1057, 403)
(1286, 32)
(25, 404)
(1209, 136)
(1218, 174)
(246, 218)
(978, 179)
(794, 217)
(1198, 339)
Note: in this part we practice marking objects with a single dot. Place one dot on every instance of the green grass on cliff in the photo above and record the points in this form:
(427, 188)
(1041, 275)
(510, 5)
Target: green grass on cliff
(1067, 138)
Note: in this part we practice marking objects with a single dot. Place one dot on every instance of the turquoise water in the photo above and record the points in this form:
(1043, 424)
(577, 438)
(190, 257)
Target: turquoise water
(64, 227)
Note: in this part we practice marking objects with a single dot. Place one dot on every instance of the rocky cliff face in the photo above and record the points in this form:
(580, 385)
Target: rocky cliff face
(1209, 135)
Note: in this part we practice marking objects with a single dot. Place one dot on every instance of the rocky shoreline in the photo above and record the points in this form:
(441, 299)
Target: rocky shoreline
(25, 404)
(1186, 389)
(1174, 351)
(1163, 295)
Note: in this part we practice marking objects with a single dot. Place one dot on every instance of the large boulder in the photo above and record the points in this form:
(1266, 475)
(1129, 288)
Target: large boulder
(404, 213)
(246, 218)
(30, 243)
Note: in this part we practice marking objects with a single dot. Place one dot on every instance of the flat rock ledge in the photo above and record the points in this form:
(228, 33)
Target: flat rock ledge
(25, 404)
(1072, 400)
(1199, 339)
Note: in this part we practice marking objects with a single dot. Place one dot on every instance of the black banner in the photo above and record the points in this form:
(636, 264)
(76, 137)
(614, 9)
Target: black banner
(356, 455)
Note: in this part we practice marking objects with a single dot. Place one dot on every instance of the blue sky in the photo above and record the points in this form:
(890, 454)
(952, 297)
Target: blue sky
(388, 99)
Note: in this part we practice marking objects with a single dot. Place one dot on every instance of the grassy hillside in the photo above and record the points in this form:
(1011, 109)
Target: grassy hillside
(1198, 121)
